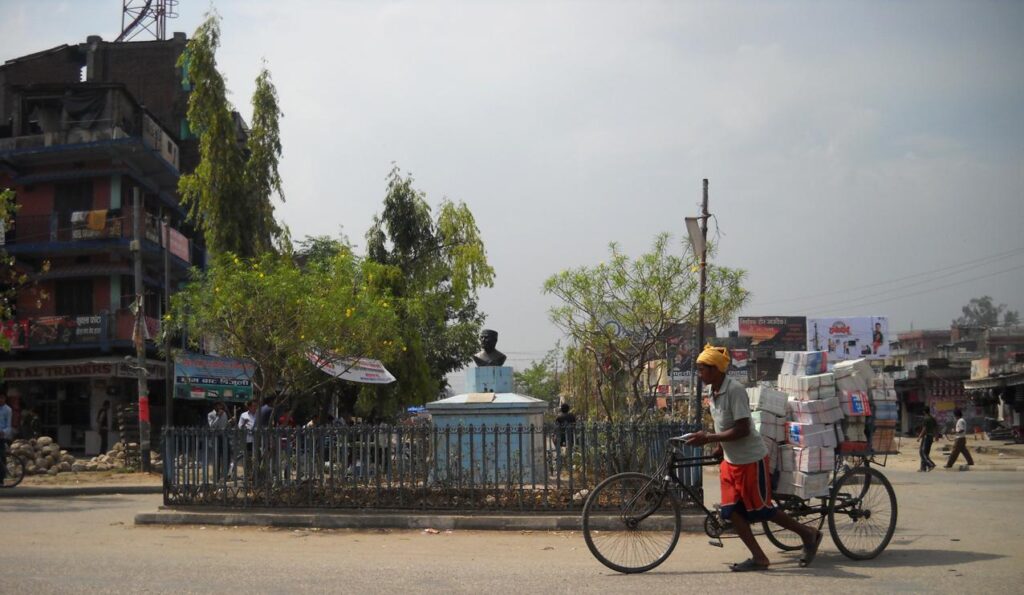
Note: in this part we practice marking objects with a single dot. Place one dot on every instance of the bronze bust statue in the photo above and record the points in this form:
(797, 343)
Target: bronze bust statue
(488, 355)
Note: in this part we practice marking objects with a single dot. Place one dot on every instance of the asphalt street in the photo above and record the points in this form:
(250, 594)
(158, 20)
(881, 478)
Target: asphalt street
(957, 532)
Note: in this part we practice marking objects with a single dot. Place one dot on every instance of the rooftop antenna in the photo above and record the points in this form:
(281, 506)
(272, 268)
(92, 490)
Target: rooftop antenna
(146, 16)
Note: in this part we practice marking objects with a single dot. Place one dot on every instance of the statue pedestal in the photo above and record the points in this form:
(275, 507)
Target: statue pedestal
(489, 379)
(489, 435)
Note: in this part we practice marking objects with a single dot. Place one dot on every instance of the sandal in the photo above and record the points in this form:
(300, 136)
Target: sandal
(811, 551)
(748, 565)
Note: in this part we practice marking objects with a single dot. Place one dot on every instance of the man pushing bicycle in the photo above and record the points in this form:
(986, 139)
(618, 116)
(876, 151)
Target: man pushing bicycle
(745, 478)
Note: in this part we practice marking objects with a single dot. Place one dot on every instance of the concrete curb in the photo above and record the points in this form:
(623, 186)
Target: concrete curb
(378, 520)
(34, 492)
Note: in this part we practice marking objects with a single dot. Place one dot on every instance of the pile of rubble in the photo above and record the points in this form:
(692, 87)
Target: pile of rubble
(43, 456)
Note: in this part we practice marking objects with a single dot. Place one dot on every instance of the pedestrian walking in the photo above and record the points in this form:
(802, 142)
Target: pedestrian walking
(929, 429)
(960, 441)
(6, 433)
(217, 420)
(103, 424)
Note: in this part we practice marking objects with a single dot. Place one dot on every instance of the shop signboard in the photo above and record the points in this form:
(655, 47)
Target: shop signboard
(979, 368)
(775, 333)
(362, 370)
(213, 378)
(850, 337)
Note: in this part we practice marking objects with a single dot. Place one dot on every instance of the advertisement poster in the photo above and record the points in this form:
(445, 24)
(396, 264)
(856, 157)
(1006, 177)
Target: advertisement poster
(214, 378)
(849, 337)
(777, 333)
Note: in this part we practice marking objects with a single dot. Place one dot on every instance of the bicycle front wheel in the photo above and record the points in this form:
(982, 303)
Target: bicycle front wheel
(862, 513)
(631, 523)
(799, 510)
(15, 471)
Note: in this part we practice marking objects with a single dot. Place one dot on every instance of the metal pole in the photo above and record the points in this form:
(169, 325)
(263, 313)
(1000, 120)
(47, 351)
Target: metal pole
(703, 288)
(140, 332)
(168, 371)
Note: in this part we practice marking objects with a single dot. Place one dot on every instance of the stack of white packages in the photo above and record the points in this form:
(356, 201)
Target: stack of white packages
(769, 425)
(853, 381)
(808, 388)
(811, 459)
(804, 485)
(768, 414)
(803, 434)
(813, 406)
(821, 411)
(763, 398)
(804, 363)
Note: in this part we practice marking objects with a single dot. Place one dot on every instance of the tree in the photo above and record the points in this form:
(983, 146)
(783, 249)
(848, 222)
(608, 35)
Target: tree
(443, 262)
(229, 193)
(539, 379)
(618, 312)
(272, 312)
(12, 278)
(982, 312)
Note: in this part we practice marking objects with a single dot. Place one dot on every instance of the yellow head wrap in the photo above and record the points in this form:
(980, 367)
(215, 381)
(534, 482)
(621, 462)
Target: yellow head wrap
(715, 356)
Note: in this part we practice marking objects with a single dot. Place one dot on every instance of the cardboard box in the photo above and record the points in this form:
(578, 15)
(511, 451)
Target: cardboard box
(806, 362)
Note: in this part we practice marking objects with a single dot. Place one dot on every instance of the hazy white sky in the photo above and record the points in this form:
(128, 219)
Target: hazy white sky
(865, 158)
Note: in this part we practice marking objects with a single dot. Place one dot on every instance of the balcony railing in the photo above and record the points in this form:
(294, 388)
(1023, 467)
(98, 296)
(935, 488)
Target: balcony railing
(46, 332)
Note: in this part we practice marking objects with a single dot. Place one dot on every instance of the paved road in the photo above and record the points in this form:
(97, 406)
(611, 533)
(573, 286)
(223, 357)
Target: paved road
(957, 533)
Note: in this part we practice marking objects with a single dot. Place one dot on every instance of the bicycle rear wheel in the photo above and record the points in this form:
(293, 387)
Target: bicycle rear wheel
(631, 523)
(862, 513)
(795, 507)
(15, 470)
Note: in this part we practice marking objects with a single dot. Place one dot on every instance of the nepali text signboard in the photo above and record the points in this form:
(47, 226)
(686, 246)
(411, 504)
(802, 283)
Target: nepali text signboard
(775, 333)
(354, 369)
(200, 377)
(850, 337)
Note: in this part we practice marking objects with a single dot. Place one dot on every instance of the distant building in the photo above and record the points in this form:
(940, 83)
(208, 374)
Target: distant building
(83, 128)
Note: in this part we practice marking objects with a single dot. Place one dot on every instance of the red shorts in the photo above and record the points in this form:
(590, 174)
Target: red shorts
(747, 489)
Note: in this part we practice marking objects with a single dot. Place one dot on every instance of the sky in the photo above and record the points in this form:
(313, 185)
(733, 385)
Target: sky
(863, 158)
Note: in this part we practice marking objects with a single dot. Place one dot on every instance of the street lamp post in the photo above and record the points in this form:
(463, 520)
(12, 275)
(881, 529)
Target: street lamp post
(697, 229)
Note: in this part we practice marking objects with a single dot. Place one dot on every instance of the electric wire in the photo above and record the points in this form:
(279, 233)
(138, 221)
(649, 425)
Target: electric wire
(989, 259)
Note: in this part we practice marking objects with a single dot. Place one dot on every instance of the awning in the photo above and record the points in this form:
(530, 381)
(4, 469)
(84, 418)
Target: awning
(204, 377)
(354, 369)
(994, 382)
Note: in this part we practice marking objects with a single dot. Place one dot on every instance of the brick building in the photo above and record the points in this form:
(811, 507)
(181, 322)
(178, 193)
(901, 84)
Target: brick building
(84, 130)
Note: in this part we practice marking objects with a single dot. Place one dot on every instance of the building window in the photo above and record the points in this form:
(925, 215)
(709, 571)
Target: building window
(73, 297)
(70, 197)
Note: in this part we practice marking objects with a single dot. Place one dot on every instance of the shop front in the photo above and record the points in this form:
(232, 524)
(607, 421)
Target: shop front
(66, 395)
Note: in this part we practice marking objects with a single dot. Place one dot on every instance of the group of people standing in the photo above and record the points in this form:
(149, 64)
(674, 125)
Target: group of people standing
(930, 432)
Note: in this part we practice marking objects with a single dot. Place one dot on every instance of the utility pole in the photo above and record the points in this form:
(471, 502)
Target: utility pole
(168, 370)
(140, 332)
(699, 240)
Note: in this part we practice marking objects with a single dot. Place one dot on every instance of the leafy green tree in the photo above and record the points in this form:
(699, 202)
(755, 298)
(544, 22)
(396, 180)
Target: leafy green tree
(618, 312)
(983, 312)
(12, 278)
(539, 379)
(443, 262)
(229, 193)
(272, 312)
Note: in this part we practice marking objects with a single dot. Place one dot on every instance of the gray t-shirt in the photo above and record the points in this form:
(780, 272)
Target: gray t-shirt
(728, 405)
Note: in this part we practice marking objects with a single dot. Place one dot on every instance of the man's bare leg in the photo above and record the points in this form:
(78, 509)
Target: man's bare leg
(807, 534)
(742, 526)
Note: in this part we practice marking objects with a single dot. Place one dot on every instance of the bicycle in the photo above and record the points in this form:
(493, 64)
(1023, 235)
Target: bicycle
(632, 521)
(15, 467)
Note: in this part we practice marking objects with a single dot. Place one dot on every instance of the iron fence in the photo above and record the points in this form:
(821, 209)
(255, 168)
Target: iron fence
(466, 468)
